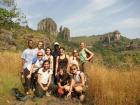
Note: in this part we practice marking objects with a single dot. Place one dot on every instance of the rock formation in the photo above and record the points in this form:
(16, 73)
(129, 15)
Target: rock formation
(64, 33)
(111, 37)
(47, 25)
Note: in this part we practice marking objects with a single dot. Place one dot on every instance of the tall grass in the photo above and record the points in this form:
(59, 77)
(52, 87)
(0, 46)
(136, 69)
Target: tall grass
(112, 87)
(106, 86)
(10, 65)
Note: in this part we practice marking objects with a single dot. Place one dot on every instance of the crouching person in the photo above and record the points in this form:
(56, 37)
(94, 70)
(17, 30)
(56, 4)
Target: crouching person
(79, 82)
(64, 82)
(43, 80)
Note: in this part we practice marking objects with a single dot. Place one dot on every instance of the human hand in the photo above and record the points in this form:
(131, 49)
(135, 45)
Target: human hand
(69, 94)
(29, 76)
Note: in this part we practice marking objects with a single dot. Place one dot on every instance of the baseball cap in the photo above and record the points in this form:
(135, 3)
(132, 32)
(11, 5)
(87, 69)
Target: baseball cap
(56, 43)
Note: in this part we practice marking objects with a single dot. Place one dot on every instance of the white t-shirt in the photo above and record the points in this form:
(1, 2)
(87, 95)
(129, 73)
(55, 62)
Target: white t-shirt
(27, 55)
(37, 64)
(44, 76)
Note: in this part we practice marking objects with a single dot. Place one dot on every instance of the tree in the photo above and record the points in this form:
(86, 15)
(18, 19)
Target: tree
(11, 15)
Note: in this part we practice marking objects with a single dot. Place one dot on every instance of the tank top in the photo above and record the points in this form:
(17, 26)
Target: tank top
(78, 77)
(63, 62)
(73, 60)
(83, 55)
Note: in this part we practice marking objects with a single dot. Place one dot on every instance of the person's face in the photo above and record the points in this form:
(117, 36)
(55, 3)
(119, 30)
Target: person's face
(82, 45)
(75, 53)
(62, 51)
(48, 51)
(30, 44)
(74, 69)
(61, 72)
(56, 47)
(40, 45)
(40, 55)
(46, 65)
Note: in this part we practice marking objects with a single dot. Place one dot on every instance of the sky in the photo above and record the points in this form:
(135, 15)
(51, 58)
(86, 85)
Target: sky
(86, 17)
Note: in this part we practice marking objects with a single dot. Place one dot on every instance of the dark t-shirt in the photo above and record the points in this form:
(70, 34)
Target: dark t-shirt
(63, 80)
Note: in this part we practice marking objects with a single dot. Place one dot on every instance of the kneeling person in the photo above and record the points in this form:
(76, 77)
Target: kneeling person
(64, 83)
(44, 80)
(79, 81)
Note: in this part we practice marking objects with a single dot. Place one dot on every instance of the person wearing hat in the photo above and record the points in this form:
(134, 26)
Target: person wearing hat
(55, 54)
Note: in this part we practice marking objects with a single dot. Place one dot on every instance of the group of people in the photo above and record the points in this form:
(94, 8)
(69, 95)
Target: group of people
(44, 69)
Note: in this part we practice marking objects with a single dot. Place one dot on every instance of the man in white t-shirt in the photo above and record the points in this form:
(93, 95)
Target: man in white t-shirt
(27, 55)
(44, 79)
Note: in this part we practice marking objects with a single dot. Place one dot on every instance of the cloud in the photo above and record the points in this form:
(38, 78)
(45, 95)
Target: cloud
(87, 13)
(130, 23)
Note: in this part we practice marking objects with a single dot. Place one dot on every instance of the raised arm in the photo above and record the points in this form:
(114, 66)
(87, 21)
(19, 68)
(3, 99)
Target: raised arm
(90, 54)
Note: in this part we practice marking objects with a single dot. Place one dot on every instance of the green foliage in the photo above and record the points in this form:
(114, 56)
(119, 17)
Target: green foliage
(6, 18)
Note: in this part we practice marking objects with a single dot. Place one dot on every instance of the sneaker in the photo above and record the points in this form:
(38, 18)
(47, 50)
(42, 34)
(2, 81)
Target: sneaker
(47, 94)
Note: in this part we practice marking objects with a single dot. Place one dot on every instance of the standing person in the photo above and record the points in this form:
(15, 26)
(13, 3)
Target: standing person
(85, 55)
(74, 58)
(44, 80)
(31, 71)
(62, 61)
(64, 83)
(39, 48)
(55, 55)
(27, 57)
(79, 81)
(49, 57)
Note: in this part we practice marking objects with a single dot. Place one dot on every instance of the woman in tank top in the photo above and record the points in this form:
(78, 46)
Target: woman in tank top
(62, 61)
(74, 58)
(49, 57)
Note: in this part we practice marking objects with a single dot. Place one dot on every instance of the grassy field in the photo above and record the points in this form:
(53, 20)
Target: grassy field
(113, 87)
(106, 87)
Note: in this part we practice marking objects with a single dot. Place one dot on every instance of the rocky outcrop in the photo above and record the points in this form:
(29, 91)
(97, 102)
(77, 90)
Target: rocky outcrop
(111, 37)
(7, 41)
(47, 25)
(64, 33)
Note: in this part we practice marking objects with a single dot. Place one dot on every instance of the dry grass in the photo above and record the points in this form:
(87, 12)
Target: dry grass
(106, 87)
(10, 65)
(112, 87)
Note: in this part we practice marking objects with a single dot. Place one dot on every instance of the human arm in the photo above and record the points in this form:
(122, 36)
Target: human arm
(71, 87)
(31, 70)
(51, 60)
(49, 82)
(68, 65)
(56, 65)
(39, 81)
(90, 54)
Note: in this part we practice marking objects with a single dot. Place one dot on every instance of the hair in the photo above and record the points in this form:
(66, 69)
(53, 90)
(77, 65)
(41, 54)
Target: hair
(48, 48)
(30, 41)
(41, 42)
(62, 48)
(65, 74)
(45, 62)
(74, 50)
(74, 65)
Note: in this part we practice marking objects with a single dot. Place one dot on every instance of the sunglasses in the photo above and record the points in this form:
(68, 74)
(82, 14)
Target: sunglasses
(39, 55)
(73, 69)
